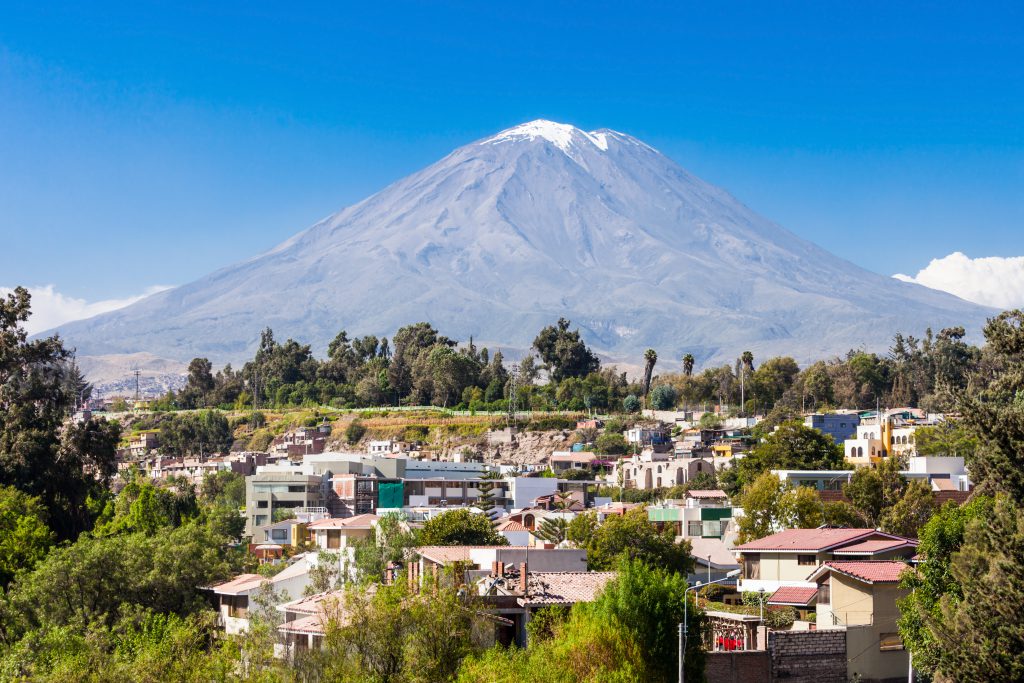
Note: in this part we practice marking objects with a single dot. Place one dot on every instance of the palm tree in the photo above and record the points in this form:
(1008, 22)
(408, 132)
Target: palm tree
(650, 358)
(688, 364)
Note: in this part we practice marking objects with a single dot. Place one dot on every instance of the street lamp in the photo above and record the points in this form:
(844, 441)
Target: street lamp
(685, 626)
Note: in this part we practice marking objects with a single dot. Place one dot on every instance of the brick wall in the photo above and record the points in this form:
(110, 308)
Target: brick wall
(808, 656)
(738, 667)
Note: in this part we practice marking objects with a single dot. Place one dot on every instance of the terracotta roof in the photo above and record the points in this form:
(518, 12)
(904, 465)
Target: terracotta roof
(564, 588)
(311, 604)
(879, 571)
(875, 546)
(793, 595)
(239, 584)
(707, 493)
(445, 554)
(314, 623)
(943, 485)
(511, 525)
(793, 540)
(358, 522)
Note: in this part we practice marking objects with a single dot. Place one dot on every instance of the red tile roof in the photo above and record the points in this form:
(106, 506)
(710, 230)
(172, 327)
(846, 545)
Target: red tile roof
(358, 522)
(794, 540)
(239, 584)
(879, 571)
(511, 525)
(793, 595)
(707, 493)
(875, 546)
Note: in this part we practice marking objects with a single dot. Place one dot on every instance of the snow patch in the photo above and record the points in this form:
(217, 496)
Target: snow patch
(561, 135)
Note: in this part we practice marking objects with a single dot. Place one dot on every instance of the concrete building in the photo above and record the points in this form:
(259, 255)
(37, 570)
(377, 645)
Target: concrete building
(703, 514)
(271, 491)
(840, 426)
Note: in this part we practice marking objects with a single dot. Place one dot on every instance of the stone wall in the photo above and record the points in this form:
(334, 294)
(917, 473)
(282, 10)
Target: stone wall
(808, 656)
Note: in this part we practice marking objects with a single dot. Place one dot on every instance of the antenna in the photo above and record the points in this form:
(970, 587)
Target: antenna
(136, 373)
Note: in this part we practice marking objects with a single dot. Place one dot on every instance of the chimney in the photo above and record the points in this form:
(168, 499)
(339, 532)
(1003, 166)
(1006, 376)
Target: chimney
(523, 578)
(501, 569)
(494, 569)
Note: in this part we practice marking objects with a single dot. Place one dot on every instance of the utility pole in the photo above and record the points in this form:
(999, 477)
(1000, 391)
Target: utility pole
(137, 373)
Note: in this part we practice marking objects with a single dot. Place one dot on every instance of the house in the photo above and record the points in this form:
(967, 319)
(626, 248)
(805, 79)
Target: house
(658, 470)
(704, 514)
(516, 592)
(305, 622)
(474, 562)
(287, 532)
(840, 426)
(234, 597)
(713, 560)
(564, 461)
(141, 444)
(271, 491)
(383, 447)
(788, 557)
(337, 533)
(861, 596)
(516, 533)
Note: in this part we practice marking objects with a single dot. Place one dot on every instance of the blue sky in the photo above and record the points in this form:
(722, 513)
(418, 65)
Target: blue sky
(147, 143)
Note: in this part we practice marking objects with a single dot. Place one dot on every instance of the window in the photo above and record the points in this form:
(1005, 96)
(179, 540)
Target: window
(752, 568)
(887, 642)
(807, 560)
(261, 504)
(694, 528)
(825, 593)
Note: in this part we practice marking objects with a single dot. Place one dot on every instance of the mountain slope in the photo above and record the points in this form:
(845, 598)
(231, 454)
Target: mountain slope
(505, 235)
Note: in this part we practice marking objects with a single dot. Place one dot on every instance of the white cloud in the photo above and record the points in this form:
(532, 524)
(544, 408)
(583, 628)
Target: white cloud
(992, 281)
(50, 308)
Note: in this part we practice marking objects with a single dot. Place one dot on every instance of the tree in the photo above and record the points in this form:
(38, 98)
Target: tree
(632, 536)
(199, 385)
(631, 404)
(552, 529)
(610, 443)
(910, 512)
(771, 380)
(354, 432)
(663, 397)
(628, 634)
(485, 501)
(933, 587)
(98, 580)
(771, 505)
(650, 358)
(392, 538)
(460, 527)
(24, 536)
(61, 463)
(688, 361)
(792, 447)
(961, 619)
(581, 529)
(564, 353)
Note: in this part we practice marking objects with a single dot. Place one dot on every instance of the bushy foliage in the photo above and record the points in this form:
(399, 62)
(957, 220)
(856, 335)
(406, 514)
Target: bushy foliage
(460, 527)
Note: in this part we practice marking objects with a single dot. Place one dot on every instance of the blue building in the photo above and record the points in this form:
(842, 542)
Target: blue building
(841, 426)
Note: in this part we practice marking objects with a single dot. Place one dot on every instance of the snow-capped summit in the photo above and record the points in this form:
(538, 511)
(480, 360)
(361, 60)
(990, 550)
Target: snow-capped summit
(543, 220)
(562, 135)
